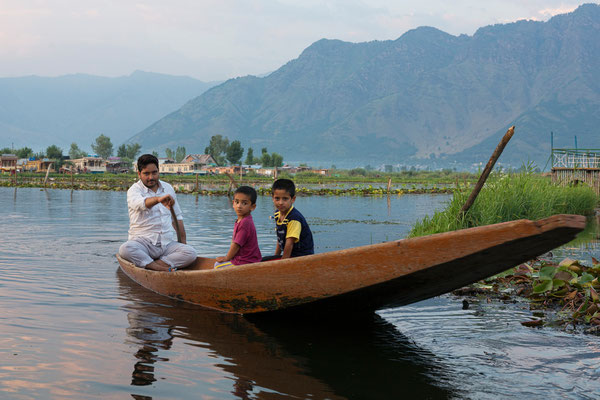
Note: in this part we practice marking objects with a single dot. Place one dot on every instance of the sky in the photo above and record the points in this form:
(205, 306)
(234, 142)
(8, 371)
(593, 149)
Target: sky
(214, 40)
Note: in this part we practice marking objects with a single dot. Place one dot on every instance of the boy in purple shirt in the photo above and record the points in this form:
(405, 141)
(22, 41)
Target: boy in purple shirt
(244, 245)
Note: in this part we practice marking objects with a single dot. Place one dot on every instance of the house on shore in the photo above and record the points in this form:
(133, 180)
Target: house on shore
(235, 170)
(39, 165)
(94, 165)
(116, 165)
(202, 159)
(574, 166)
(192, 164)
(8, 163)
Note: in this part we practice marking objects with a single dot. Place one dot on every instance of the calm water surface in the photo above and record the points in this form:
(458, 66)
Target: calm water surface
(73, 326)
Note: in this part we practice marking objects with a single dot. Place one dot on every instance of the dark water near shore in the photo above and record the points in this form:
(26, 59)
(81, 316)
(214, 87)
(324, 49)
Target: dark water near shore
(74, 327)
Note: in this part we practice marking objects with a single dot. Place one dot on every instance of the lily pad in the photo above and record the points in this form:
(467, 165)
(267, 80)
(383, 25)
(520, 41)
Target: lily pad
(543, 287)
(547, 273)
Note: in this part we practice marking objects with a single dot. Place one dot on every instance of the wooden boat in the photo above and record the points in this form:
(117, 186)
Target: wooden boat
(364, 278)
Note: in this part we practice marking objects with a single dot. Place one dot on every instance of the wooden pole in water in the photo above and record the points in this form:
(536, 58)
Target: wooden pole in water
(487, 170)
(232, 183)
(47, 172)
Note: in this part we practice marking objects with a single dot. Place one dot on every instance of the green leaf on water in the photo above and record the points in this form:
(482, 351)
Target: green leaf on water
(508, 272)
(556, 283)
(585, 278)
(543, 287)
(547, 273)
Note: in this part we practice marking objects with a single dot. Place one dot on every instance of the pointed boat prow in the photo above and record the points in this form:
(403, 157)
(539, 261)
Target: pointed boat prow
(364, 278)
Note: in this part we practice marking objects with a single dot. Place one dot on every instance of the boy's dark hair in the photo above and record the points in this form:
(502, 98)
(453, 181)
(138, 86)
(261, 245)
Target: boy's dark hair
(285, 184)
(146, 159)
(248, 191)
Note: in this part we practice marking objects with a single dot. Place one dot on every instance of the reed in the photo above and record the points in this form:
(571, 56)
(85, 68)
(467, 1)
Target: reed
(507, 197)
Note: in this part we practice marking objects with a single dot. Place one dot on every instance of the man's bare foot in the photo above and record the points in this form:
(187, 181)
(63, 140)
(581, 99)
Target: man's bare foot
(158, 265)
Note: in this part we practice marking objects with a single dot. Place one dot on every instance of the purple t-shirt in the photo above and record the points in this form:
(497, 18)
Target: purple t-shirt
(244, 234)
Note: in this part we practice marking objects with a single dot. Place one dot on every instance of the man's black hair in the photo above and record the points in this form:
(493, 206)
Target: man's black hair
(248, 191)
(146, 159)
(285, 184)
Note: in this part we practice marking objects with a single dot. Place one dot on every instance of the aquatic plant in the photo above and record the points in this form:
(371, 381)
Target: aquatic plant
(565, 294)
(507, 197)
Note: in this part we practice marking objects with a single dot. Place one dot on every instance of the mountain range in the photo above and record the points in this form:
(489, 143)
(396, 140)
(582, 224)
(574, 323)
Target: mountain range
(426, 97)
(39, 111)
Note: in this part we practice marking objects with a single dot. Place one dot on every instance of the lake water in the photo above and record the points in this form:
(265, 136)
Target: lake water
(73, 326)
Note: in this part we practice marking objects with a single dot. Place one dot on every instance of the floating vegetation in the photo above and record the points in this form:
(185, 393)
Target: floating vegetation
(122, 184)
(331, 222)
(563, 295)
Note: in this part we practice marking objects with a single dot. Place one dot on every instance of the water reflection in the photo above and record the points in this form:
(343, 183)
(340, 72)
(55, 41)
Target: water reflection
(585, 247)
(337, 360)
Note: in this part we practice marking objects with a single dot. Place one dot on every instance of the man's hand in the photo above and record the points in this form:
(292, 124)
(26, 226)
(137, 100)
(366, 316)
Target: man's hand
(166, 201)
(220, 259)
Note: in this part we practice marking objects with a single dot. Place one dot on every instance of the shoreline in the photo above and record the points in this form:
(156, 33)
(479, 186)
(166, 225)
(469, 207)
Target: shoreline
(363, 188)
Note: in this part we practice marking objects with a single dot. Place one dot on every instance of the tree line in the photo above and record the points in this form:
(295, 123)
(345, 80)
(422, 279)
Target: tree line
(221, 151)
(219, 147)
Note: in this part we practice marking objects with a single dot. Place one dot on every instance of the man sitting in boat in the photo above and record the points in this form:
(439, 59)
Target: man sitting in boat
(152, 240)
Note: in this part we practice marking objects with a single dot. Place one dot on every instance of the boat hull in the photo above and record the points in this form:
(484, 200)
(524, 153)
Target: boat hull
(364, 278)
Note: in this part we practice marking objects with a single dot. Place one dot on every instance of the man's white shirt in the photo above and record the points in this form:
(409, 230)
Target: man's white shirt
(153, 223)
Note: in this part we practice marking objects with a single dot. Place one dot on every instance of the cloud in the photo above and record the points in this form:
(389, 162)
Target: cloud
(551, 12)
(218, 39)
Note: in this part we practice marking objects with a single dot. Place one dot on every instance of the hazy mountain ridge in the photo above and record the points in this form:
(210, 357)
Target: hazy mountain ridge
(39, 111)
(426, 95)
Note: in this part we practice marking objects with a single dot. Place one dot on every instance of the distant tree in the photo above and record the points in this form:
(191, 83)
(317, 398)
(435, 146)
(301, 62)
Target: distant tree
(75, 152)
(24, 152)
(169, 153)
(235, 151)
(265, 160)
(217, 147)
(6, 150)
(54, 152)
(180, 153)
(155, 154)
(133, 149)
(129, 151)
(122, 151)
(276, 160)
(103, 146)
(270, 160)
(249, 156)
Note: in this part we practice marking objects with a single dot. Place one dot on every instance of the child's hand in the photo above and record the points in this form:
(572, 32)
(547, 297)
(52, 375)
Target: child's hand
(220, 259)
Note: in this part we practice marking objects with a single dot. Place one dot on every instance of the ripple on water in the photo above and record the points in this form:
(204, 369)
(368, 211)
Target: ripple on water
(492, 354)
(71, 328)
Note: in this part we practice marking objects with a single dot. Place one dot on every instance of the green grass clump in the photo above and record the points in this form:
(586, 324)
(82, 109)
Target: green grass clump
(507, 197)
